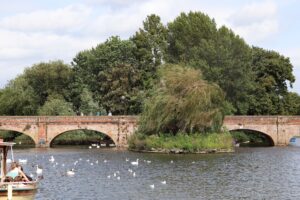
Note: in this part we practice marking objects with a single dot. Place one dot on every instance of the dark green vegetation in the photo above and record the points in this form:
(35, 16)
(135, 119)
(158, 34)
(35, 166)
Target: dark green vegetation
(81, 137)
(186, 110)
(119, 75)
(78, 137)
(251, 138)
(20, 139)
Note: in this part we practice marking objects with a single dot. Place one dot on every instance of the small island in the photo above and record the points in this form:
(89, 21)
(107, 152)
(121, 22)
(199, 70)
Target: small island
(184, 114)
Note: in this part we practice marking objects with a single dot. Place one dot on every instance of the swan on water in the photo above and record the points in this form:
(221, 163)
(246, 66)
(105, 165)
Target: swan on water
(71, 172)
(52, 159)
(22, 161)
(39, 170)
(135, 162)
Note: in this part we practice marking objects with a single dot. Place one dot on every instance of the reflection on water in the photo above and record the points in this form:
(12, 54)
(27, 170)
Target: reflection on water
(250, 173)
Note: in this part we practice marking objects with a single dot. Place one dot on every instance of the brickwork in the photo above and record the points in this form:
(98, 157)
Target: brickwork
(44, 129)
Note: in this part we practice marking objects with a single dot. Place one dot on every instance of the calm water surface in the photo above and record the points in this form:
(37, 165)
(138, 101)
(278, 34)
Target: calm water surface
(250, 173)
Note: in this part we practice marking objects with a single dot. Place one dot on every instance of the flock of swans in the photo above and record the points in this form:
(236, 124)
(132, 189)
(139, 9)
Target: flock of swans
(132, 165)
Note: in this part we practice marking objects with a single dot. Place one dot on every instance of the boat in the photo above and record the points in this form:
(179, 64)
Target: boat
(295, 141)
(18, 187)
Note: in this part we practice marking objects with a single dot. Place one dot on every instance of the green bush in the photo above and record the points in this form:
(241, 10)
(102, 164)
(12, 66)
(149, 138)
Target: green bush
(189, 143)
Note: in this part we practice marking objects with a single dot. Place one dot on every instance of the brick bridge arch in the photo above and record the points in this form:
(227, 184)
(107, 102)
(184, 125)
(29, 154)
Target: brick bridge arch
(43, 129)
(30, 134)
(272, 143)
(279, 128)
(110, 134)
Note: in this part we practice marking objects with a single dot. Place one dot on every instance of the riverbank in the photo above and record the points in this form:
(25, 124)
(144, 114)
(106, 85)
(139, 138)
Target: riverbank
(182, 143)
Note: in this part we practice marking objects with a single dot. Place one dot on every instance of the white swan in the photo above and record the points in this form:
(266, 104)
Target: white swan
(39, 170)
(135, 163)
(22, 161)
(152, 186)
(71, 172)
(164, 182)
(52, 159)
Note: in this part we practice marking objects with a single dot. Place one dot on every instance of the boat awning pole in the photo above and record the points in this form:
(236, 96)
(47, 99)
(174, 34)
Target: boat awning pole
(12, 154)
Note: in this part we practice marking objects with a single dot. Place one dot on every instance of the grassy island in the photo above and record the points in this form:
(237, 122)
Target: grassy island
(184, 114)
(182, 143)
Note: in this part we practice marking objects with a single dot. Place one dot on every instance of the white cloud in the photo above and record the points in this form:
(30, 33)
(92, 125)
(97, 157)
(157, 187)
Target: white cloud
(62, 19)
(255, 21)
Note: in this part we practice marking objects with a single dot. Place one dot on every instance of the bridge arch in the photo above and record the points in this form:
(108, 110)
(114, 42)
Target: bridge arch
(25, 131)
(111, 136)
(256, 131)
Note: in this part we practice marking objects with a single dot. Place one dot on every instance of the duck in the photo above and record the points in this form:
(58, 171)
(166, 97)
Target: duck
(135, 163)
(71, 172)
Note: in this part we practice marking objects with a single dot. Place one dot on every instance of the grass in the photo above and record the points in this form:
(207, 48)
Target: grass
(188, 143)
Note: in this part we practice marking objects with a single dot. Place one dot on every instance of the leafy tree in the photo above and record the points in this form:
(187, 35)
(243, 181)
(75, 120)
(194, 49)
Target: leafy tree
(231, 69)
(272, 74)
(88, 106)
(18, 98)
(182, 102)
(56, 105)
(291, 104)
(111, 73)
(223, 57)
(151, 43)
(191, 37)
(49, 78)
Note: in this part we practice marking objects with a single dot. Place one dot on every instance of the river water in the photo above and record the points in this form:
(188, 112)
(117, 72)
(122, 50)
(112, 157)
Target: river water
(249, 173)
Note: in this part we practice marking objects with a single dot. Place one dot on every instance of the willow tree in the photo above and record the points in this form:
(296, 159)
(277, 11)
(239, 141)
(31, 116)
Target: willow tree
(182, 102)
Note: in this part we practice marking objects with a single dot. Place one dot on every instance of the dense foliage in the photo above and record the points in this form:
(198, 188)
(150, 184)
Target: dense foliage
(183, 102)
(118, 75)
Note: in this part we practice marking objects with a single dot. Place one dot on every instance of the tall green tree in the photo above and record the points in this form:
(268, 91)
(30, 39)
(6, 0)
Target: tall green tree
(182, 102)
(273, 73)
(111, 72)
(223, 57)
(49, 78)
(18, 98)
(151, 43)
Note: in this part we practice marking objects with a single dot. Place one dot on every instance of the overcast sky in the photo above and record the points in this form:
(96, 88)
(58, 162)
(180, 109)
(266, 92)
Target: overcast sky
(32, 31)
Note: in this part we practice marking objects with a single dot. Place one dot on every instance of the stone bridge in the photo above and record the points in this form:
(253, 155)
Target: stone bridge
(278, 128)
(43, 129)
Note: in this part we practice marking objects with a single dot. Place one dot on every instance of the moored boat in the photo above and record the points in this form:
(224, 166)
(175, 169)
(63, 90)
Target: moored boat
(18, 187)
